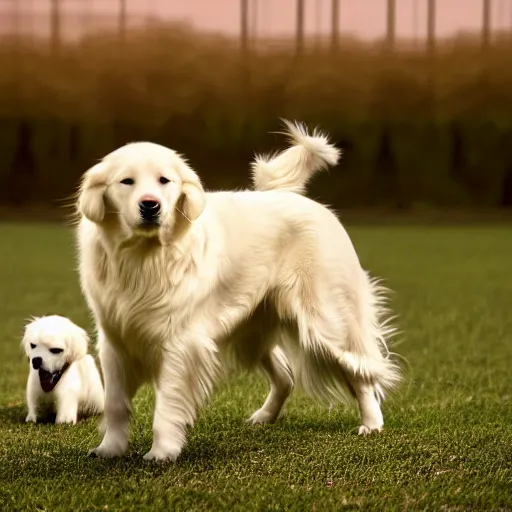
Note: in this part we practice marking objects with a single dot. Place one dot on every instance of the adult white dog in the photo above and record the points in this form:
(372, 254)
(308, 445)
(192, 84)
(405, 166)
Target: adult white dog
(62, 377)
(180, 280)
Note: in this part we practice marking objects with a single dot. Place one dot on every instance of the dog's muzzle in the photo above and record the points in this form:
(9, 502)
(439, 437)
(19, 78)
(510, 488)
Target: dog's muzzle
(150, 211)
(37, 362)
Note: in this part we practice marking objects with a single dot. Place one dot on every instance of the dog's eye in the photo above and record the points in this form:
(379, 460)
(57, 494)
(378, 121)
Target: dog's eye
(163, 180)
(32, 345)
(56, 350)
(127, 181)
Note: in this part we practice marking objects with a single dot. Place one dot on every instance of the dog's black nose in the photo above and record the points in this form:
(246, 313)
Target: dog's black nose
(37, 362)
(149, 210)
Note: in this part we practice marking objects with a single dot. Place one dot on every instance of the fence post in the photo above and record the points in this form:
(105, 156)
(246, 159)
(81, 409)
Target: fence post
(486, 24)
(122, 19)
(55, 25)
(299, 34)
(391, 24)
(431, 27)
(244, 25)
(254, 22)
(335, 24)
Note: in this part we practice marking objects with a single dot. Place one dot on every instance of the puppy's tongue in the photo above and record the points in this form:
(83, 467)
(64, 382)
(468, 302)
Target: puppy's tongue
(49, 380)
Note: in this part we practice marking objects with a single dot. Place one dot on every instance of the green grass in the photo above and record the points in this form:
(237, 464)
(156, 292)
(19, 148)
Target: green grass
(447, 444)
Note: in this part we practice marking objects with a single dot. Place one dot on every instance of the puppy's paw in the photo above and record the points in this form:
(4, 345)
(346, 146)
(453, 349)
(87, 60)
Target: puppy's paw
(66, 419)
(261, 417)
(31, 418)
(365, 430)
(160, 454)
(106, 452)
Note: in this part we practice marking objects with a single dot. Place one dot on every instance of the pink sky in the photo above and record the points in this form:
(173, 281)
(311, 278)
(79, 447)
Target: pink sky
(363, 18)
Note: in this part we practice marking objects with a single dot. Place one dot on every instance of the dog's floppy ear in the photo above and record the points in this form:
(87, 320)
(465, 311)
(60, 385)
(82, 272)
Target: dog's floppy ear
(193, 199)
(25, 340)
(78, 342)
(193, 195)
(91, 198)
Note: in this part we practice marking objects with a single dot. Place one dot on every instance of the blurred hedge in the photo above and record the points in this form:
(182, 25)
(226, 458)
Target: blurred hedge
(416, 131)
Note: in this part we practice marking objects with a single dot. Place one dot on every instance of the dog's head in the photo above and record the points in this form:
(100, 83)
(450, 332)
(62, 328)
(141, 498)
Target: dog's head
(145, 187)
(53, 342)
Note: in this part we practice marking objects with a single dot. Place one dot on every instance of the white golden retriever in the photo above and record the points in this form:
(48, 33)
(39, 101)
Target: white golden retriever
(180, 280)
(62, 376)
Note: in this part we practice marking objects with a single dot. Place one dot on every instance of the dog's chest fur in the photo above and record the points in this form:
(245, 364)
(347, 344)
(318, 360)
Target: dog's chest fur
(145, 299)
(142, 299)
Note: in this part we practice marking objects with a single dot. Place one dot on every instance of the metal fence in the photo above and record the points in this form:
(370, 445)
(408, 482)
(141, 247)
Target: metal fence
(64, 20)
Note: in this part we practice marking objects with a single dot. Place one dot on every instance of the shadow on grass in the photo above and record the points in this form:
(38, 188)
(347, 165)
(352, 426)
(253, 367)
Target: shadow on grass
(336, 424)
(62, 461)
(63, 451)
(15, 415)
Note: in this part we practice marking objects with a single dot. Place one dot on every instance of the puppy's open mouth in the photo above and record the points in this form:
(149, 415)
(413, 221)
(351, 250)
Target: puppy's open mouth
(49, 380)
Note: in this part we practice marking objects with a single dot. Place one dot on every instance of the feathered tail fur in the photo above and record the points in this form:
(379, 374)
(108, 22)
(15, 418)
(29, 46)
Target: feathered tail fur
(322, 357)
(293, 168)
(366, 353)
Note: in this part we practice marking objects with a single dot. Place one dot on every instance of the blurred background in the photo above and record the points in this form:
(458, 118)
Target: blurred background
(418, 93)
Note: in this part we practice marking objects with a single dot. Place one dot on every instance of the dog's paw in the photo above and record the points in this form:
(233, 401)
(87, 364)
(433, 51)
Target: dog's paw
(31, 418)
(365, 430)
(261, 417)
(66, 419)
(162, 454)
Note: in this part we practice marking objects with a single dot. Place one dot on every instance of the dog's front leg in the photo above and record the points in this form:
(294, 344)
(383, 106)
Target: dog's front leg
(67, 409)
(186, 379)
(33, 395)
(119, 391)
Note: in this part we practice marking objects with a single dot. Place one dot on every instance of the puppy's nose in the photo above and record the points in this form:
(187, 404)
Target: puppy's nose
(37, 362)
(149, 208)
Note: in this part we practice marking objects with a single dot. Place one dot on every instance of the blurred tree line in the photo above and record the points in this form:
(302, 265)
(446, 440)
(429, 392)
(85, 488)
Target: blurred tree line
(415, 129)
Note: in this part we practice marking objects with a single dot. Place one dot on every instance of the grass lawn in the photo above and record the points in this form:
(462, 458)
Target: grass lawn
(447, 444)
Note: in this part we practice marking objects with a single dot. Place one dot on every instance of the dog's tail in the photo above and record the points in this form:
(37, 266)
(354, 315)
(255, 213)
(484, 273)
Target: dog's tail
(293, 168)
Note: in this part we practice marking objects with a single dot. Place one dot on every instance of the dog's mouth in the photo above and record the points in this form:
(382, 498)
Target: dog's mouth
(148, 229)
(49, 380)
(150, 224)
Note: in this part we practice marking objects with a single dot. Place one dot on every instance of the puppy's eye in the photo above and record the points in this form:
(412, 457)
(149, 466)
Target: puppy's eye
(163, 180)
(127, 181)
(56, 350)
(32, 345)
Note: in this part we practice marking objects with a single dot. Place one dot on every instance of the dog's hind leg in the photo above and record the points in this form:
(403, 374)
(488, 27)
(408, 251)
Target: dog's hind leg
(279, 374)
(331, 364)
(369, 407)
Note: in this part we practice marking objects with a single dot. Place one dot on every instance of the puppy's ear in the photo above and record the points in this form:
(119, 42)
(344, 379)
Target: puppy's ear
(91, 198)
(77, 343)
(26, 339)
(25, 344)
(193, 195)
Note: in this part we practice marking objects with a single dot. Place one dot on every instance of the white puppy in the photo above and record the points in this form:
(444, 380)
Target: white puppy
(62, 376)
(180, 280)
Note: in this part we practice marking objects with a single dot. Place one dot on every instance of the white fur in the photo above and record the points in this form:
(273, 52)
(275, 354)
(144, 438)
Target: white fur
(79, 391)
(268, 279)
(292, 169)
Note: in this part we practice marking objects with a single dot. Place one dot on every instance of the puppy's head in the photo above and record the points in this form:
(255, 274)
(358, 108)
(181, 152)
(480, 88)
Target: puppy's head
(51, 342)
(145, 188)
